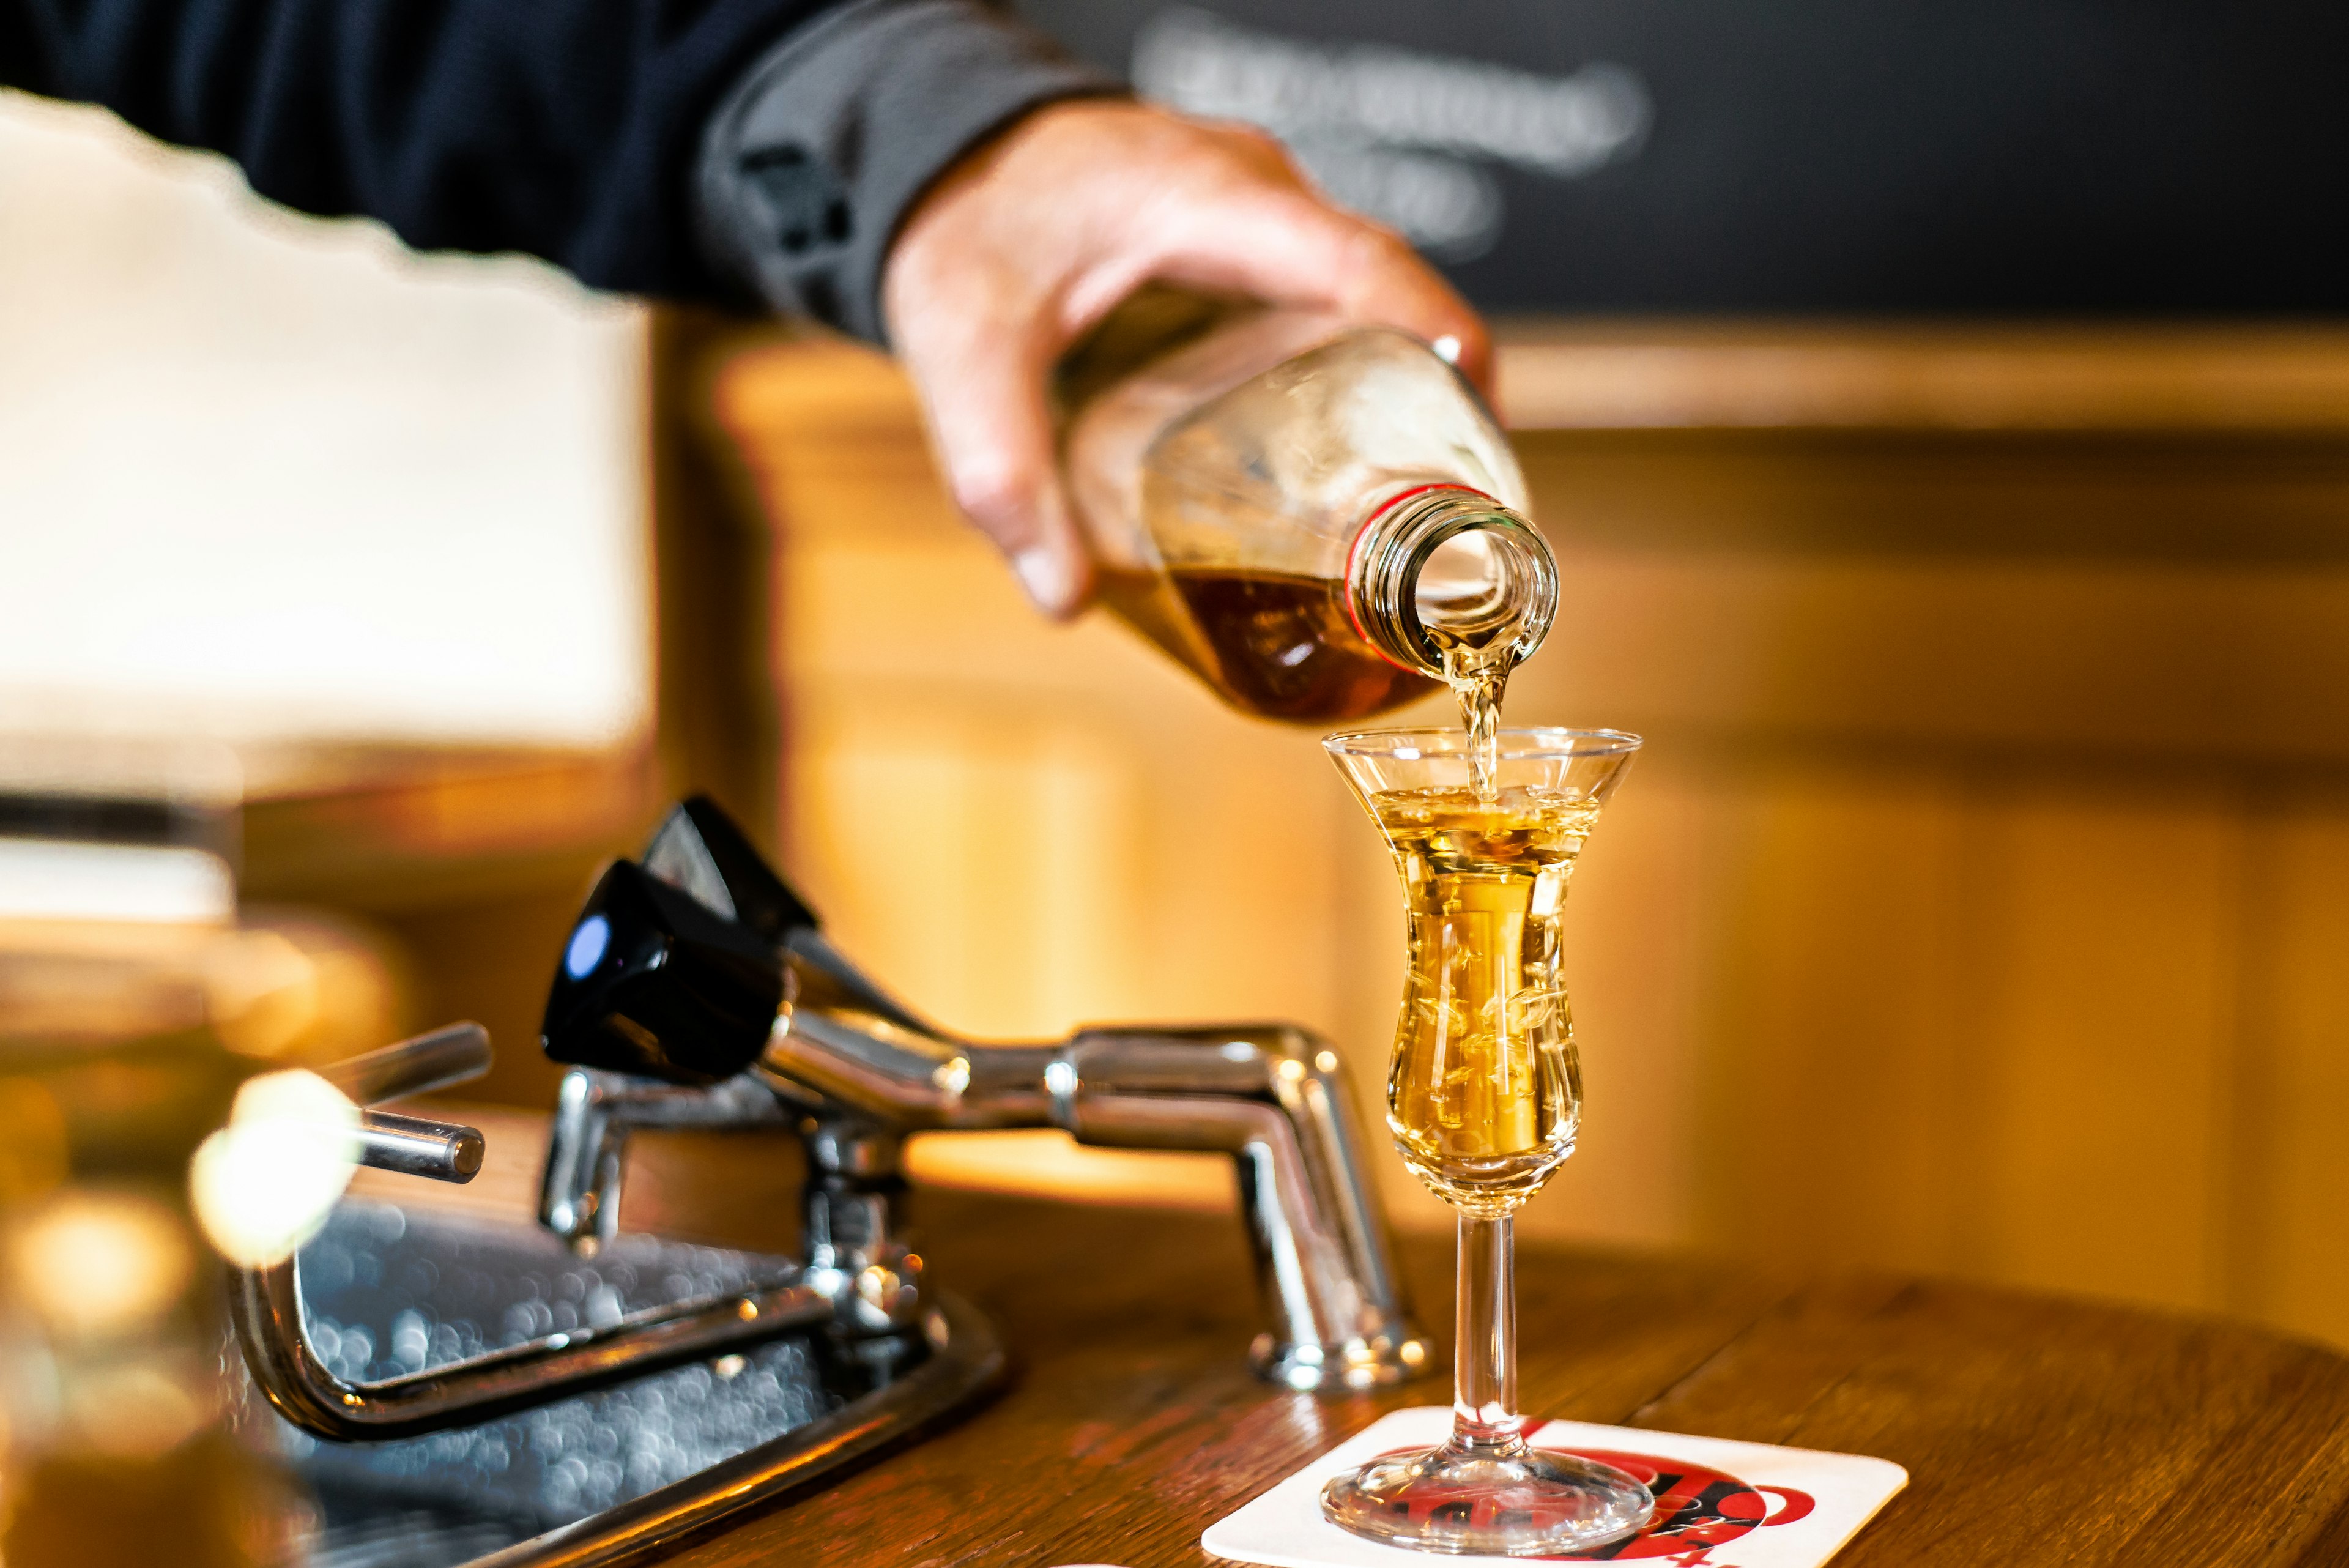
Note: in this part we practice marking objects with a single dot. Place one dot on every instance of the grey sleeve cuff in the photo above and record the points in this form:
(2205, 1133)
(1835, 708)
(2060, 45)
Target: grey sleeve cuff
(814, 156)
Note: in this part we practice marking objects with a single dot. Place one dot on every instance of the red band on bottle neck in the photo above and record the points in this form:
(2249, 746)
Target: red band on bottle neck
(1354, 552)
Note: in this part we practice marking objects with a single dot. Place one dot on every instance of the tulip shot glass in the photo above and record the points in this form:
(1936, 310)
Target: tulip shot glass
(1484, 1098)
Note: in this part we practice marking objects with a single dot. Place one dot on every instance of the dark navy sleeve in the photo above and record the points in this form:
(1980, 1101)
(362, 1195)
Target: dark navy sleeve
(814, 158)
(570, 129)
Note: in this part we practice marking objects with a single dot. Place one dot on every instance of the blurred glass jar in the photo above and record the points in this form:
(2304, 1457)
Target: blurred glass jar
(133, 1005)
(1305, 513)
(111, 1452)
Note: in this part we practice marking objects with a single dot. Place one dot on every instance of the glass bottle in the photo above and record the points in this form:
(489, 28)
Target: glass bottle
(1319, 520)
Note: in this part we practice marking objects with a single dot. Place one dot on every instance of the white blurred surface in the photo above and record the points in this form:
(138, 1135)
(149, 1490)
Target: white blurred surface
(57, 879)
(269, 478)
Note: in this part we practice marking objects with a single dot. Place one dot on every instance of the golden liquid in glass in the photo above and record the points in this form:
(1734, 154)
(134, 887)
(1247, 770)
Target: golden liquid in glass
(1485, 1091)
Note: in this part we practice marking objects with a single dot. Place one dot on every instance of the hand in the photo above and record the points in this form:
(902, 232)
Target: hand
(1032, 239)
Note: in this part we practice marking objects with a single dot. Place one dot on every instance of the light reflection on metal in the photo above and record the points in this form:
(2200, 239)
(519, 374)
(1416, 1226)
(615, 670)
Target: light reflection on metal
(439, 1151)
(434, 1060)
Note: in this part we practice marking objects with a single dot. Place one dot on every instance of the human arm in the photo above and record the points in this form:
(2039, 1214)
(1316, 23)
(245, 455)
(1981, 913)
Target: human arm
(570, 129)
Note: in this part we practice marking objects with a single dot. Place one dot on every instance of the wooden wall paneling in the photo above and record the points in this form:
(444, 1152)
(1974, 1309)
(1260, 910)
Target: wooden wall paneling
(913, 835)
(472, 864)
(2101, 1030)
(1829, 1130)
(2291, 1206)
(1137, 862)
(720, 716)
(1230, 936)
(2064, 658)
(1970, 376)
(2119, 496)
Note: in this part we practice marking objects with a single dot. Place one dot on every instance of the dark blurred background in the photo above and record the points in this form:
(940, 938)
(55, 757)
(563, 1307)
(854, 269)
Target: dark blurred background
(2016, 157)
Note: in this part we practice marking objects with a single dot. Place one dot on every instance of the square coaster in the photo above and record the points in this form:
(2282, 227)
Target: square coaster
(1720, 1504)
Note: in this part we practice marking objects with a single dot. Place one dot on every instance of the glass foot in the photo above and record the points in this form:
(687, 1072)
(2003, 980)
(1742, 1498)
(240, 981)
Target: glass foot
(1506, 1500)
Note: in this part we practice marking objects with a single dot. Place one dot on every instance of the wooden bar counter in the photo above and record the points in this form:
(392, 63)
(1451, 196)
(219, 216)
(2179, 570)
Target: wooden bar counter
(2035, 1430)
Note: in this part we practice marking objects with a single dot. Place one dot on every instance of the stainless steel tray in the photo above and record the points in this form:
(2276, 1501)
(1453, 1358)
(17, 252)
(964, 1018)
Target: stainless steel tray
(606, 1478)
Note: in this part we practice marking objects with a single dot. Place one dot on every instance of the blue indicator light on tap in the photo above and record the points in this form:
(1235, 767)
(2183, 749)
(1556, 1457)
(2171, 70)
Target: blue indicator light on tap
(588, 945)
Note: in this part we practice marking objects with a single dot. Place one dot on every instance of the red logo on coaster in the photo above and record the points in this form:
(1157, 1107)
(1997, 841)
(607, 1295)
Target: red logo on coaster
(1696, 1509)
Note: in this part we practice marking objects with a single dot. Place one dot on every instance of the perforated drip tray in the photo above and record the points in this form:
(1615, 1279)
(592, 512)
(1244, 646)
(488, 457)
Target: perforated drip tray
(607, 1477)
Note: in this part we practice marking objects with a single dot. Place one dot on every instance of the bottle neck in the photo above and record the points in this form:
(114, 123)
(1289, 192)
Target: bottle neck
(1441, 567)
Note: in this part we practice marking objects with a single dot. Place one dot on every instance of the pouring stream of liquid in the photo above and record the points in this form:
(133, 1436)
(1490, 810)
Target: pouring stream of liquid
(1479, 676)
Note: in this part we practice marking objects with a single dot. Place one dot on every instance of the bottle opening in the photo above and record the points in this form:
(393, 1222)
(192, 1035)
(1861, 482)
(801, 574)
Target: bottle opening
(1474, 588)
(1451, 569)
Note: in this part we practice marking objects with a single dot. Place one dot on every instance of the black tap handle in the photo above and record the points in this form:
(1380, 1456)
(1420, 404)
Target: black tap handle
(699, 850)
(655, 981)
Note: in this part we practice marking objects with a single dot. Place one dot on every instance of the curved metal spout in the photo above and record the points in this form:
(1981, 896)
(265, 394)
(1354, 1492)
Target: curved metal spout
(586, 1145)
(1276, 1098)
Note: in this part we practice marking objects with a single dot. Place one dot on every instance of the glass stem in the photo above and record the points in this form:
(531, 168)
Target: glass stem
(1485, 1349)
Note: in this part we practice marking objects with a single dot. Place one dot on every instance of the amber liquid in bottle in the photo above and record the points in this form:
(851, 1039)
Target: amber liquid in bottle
(1273, 643)
(1485, 1091)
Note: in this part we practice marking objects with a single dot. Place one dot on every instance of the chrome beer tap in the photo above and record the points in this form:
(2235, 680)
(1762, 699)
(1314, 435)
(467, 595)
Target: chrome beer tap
(671, 1018)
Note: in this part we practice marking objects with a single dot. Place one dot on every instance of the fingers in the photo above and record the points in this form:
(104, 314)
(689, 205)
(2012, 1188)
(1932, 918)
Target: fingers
(983, 393)
(1276, 240)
